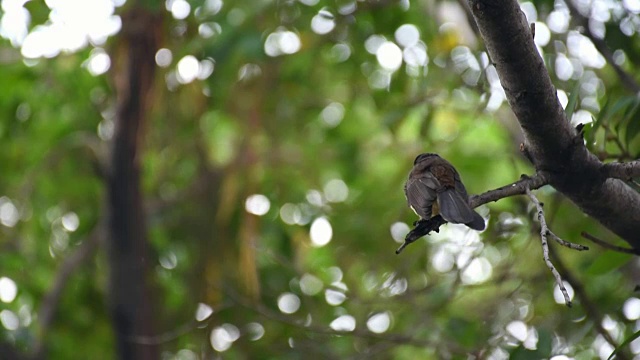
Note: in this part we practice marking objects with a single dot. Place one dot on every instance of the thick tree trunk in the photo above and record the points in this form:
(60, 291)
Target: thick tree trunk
(552, 145)
(129, 259)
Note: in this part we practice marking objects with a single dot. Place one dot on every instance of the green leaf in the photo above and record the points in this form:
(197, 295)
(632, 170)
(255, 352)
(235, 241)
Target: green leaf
(573, 99)
(626, 342)
(633, 125)
(608, 262)
(602, 115)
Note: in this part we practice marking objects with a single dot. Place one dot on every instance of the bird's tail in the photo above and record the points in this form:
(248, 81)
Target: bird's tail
(455, 209)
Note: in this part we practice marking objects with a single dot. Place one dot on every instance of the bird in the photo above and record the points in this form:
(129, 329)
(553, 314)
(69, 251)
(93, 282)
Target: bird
(434, 187)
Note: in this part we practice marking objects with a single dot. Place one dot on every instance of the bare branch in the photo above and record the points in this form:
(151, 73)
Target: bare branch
(519, 187)
(568, 244)
(606, 245)
(623, 171)
(544, 230)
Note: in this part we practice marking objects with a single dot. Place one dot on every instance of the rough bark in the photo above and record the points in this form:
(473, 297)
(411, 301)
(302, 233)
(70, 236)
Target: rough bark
(129, 259)
(551, 143)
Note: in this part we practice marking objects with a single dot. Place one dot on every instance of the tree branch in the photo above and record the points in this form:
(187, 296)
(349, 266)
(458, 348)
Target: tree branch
(553, 145)
(623, 171)
(544, 232)
(519, 187)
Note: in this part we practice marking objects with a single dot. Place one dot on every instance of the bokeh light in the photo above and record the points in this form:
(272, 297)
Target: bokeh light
(335, 190)
(164, 57)
(282, 42)
(389, 56)
(288, 303)
(332, 114)
(187, 69)
(179, 9)
(72, 25)
(99, 62)
(9, 320)
(257, 204)
(310, 285)
(343, 323)
(222, 337)
(630, 309)
(321, 232)
(557, 293)
(477, 272)
(70, 221)
(379, 323)
(323, 22)
(8, 289)
(9, 215)
(255, 331)
(203, 312)
(334, 297)
(407, 35)
(398, 231)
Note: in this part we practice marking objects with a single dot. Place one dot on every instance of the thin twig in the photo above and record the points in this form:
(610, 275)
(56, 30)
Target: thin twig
(519, 187)
(606, 245)
(568, 244)
(590, 308)
(544, 230)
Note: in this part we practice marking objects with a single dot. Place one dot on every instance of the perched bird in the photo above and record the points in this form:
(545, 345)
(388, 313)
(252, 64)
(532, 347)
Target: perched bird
(434, 187)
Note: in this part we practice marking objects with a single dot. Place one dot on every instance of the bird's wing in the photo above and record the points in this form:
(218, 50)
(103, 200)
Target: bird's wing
(454, 208)
(421, 194)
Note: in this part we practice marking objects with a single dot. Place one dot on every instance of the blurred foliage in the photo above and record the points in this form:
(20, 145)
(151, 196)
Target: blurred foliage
(287, 127)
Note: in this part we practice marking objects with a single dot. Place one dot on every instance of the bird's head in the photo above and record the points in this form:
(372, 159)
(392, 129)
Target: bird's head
(423, 157)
